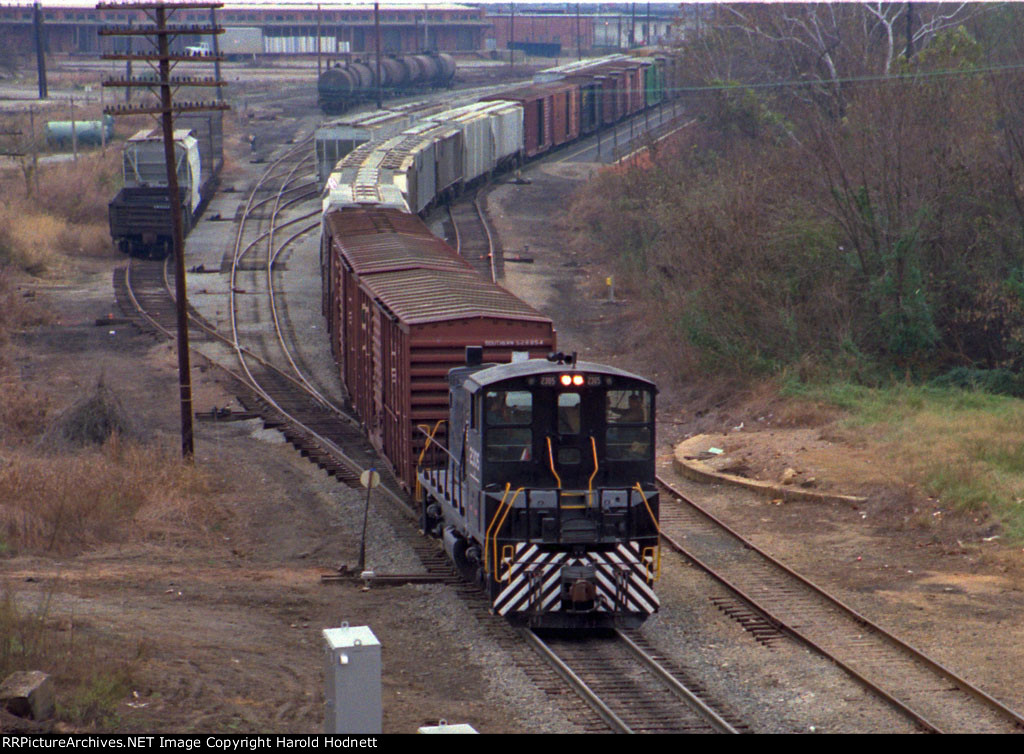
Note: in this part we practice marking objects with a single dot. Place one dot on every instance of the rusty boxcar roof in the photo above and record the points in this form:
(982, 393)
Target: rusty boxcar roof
(418, 277)
(379, 240)
(358, 222)
(422, 296)
(529, 92)
(383, 252)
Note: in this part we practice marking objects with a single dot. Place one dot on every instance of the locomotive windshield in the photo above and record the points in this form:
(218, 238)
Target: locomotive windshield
(509, 416)
(628, 436)
(571, 437)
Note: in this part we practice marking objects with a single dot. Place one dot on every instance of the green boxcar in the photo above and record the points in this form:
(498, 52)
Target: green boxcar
(654, 83)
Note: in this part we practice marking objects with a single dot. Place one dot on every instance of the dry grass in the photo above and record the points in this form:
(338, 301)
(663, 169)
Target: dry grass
(22, 410)
(73, 501)
(66, 217)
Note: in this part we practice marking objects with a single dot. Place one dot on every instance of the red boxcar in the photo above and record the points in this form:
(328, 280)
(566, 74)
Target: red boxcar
(550, 114)
(403, 308)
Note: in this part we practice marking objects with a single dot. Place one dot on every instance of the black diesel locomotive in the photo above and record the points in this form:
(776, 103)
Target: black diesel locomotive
(544, 490)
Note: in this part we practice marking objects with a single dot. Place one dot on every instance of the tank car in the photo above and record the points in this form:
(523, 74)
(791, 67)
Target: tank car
(345, 84)
(543, 489)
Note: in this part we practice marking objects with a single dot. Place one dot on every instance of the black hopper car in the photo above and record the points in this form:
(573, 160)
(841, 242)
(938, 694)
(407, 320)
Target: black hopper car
(544, 490)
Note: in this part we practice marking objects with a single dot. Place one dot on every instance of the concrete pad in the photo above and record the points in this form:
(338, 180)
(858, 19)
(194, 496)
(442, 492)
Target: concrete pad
(686, 462)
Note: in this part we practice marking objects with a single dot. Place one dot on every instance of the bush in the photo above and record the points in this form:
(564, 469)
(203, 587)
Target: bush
(995, 381)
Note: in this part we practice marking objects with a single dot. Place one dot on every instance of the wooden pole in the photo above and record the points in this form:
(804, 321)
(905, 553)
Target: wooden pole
(74, 132)
(216, 54)
(37, 21)
(178, 236)
(128, 68)
(512, 37)
(376, 24)
(579, 43)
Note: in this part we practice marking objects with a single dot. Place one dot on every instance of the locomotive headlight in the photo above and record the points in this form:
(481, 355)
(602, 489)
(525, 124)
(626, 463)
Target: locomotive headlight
(566, 379)
(577, 379)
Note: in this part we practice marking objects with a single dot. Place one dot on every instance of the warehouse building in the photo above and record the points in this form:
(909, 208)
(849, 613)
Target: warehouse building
(71, 26)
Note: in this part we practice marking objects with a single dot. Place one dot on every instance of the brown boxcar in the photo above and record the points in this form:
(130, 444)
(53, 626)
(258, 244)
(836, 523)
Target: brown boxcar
(537, 116)
(565, 112)
(403, 308)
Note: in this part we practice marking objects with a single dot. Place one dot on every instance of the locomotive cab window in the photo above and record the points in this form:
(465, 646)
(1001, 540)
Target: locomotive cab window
(509, 415)
(628, 436)
(569, 413)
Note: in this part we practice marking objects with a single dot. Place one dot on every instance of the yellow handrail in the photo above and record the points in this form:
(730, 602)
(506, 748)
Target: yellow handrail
(494, 540)
(507, 553)
(430, 438)
(648, 507)
(551, 460)
(418, 493)
(487, 534)
(657, 528)
(590, 482)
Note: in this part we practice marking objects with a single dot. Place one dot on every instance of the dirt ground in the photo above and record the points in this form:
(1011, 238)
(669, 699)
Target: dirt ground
(220, 624)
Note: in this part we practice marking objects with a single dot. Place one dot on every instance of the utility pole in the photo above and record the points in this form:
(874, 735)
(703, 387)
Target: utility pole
(579, 43)
(128, 66)
(37, 22)
(512, 37)
(216, 53)
(35, 147)
(159, 34)
(318, 35)
(74, 131)
(376, 26)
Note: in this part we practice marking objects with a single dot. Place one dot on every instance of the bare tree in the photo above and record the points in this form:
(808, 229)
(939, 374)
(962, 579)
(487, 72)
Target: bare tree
(826, 44)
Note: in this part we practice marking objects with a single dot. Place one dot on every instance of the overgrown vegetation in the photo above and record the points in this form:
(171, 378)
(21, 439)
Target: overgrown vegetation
(851, 214)
(68, 501)
(65, 216)
(964, 448)
(75, 475)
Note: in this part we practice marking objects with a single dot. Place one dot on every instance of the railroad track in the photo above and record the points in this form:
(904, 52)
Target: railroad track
(473, 238)
(929, 694)
(631, 689)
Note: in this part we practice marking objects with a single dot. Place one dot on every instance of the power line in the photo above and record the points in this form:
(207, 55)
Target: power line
(880, 78)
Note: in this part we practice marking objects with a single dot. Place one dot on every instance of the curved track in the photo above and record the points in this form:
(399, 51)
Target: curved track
(932, 696)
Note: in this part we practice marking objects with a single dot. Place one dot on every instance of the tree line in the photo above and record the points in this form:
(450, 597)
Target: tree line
(847, 202)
